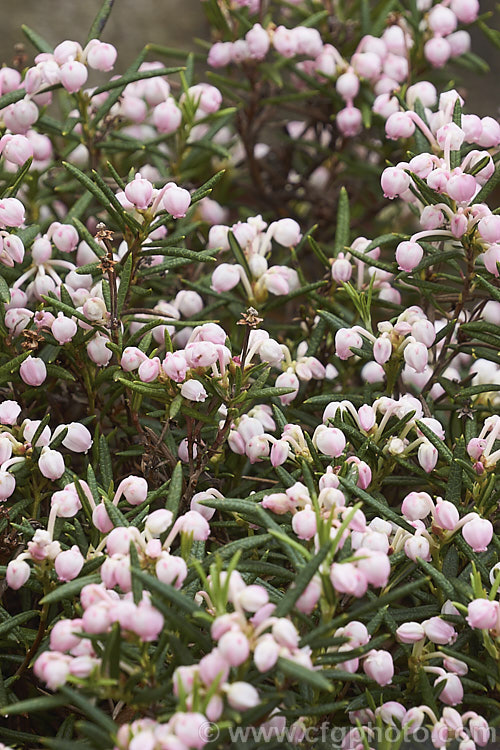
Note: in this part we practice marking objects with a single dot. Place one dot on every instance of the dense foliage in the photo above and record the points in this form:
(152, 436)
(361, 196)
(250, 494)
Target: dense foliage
(250, 379)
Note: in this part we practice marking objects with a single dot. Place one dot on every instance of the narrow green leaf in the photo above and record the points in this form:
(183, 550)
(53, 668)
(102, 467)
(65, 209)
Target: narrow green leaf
(17, 180)
(32, 705)
(301, 581)
(70, 589)
(88, 709)
(168, 593)
(457, 119)
(488, 187)
(76, 211)
(342, 232)
(145, 389)
(12, 97)
(371, 261)
(265, 393)
(100, 20)
(175, 489)
(441, 580)
(492, 34)
(441, 447)
(207, 186)
(124, 284)
(111, 655)
(105, 463)
(88, 184)
(304, 676)
(383, 510)
(473, 390)
(16, 620)
(318, 252)
(131, 77)
(239, 254)
(4, 290)
(494, 292)
(116, 516)
(36, 40)
(134, 566)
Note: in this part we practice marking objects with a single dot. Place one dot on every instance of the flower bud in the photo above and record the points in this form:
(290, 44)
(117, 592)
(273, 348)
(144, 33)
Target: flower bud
(399, 125)
(427, 456)
(98, 351)
(234, 647)
(147, 622)
(341, 269)
(439, 631)
(11, 212)
(33, 371)
(479, 730)
(213, 666)
(139, 192)
(63, 636)
(437, 51)
(266, 653)
(465, 10)
(16, 148)
(286, 232)
(304, 523)
(345, 338)
(442, 21)
(9, 412)
(329, 440)
(221, 53)
(374, 565)
(175, 366)
(483, 614)
(452, 693)
(394, 181)
(416, 356)
(176, 200)
(288, 380)
(194, 523)
(408, 255)
(446, 515)
(149, 369)
(349, 121)
(416, 547)
(67, 501)
(18, 572)
(478, 533)
(462, 187)
(73, 76)
(379, 666)
(51, 464)
(101, 520)
(347, 86)
(100, 55)
(135, 489)
(63, 329)
(489, 228)
(410, 632)
(171, 569)
(241, 696)
(68, 564)
(252, 598)
(78, 439)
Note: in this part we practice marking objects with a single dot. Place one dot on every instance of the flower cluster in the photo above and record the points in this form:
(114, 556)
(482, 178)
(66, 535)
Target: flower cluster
(379, 62)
